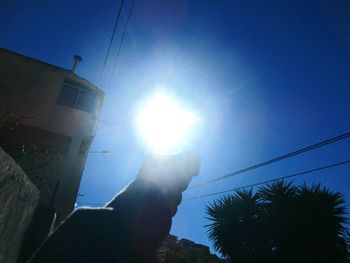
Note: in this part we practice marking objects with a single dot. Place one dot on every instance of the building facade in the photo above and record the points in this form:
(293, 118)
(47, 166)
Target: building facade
(184, 250)
(48, 118)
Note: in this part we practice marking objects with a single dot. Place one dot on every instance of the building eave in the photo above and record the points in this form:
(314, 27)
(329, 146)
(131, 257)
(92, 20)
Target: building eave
(66, 71)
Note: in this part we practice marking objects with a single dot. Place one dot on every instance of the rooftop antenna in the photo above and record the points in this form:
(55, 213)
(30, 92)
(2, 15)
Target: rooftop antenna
(77, 59)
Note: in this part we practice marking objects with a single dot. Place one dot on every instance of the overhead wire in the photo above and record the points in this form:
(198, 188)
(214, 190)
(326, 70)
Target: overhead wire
(271, 180)
(285, 156)
(250, 168)
(110, 43)
(108, 52)
(121, 41)
(279, 158)
(249, 185)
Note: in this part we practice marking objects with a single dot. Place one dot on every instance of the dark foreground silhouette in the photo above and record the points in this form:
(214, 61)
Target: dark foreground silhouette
(281, 222)
(133, 225)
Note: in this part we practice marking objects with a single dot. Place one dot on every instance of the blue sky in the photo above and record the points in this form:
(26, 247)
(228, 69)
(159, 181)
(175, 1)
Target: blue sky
(268, 77)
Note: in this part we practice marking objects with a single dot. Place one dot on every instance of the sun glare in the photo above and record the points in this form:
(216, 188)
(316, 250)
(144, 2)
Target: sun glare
(164, 124)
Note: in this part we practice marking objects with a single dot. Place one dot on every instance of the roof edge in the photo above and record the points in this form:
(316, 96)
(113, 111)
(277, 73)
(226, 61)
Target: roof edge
(51, 65)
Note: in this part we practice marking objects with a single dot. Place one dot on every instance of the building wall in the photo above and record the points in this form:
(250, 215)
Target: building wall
(29, 90)
(184, 250)
(18, 199)
(28, 94)
(48, 139)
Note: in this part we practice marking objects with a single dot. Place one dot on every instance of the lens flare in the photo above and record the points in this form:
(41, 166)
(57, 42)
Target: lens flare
(164, 124)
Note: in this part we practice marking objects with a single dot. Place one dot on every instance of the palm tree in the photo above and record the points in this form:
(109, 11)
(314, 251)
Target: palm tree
(279, 199)
(321, 225)
(280, 223)
(236, 226)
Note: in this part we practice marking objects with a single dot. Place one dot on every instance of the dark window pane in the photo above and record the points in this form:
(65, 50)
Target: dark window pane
(84, 146)
(68, 96)
(88, 101)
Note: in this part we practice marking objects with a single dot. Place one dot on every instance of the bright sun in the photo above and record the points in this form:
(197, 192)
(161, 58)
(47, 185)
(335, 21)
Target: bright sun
(164, 125)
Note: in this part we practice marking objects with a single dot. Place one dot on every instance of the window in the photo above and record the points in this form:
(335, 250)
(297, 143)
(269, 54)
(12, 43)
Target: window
(84, 146)
(87, 101)
(68, 96)
(77, 96)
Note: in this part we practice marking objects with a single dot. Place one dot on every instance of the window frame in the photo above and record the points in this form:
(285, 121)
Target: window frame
(81, 89)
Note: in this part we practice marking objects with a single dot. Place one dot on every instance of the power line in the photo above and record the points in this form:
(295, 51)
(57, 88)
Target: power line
(279, 158)
(271, 180)
(110, 42)
(121, 41)
(247, 186)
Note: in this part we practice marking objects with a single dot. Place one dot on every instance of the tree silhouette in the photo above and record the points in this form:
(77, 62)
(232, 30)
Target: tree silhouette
(280, 223)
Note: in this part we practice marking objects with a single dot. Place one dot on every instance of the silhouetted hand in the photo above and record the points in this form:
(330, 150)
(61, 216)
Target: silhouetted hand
(133, 225)
(171, 173)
